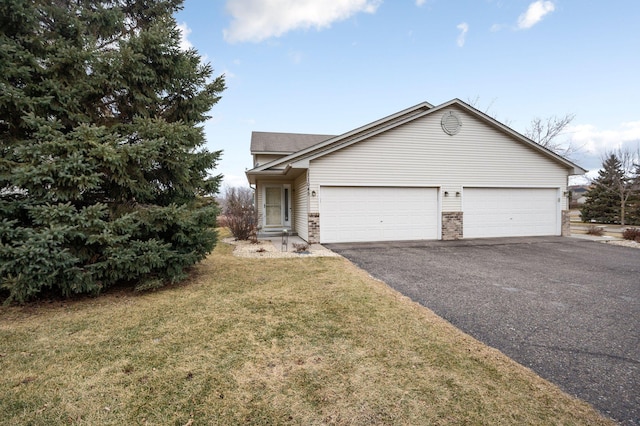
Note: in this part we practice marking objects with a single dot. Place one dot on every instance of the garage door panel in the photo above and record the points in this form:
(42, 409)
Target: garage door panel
(356, 214)
(510, 212)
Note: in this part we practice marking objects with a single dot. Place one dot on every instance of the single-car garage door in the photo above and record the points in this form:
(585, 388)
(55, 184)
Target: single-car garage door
(510, 212)
(354, 214)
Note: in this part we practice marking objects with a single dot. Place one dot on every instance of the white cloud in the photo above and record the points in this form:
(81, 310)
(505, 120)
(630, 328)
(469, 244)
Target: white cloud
(257, 20)
(496, 27)
(463, 27)
(185, 44)
(420, 2)
(228, 74)
(597, 142)
(295, 56)
(534, 14)
(593, 144)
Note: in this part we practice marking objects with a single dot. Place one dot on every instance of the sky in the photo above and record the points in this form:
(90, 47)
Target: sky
(329, 66)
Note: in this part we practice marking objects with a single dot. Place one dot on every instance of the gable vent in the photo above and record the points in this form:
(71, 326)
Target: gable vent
(451, 123)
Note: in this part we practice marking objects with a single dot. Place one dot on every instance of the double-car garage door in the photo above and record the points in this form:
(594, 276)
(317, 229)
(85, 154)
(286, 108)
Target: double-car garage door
(358, 214)
(510, 212)
(355, 214)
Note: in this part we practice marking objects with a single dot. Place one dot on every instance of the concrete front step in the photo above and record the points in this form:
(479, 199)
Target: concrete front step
(274, 234)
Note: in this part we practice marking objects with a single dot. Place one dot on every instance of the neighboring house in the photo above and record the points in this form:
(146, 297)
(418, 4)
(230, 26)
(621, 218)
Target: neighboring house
(424, 173)
(578, 194)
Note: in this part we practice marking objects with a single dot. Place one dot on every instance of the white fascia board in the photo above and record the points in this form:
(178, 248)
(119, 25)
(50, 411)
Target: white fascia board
(252, 174)
(271, 152)
(267, 172)
(271, 172)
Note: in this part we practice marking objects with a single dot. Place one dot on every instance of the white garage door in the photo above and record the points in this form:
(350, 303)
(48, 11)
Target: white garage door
(510, 212)
(353, 214)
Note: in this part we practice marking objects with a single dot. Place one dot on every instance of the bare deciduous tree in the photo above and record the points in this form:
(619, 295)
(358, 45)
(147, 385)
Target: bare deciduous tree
(475, 102)
(545, 132)
(239, 212)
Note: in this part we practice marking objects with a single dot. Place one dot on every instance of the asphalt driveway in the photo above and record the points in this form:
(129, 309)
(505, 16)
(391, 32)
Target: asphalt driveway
(569, 309)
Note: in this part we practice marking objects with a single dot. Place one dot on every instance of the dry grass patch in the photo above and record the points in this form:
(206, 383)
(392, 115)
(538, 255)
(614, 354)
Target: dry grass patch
(262, 341)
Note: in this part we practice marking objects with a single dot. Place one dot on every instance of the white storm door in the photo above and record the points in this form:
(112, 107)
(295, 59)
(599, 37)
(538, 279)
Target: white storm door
(273, 205)
(277, 205)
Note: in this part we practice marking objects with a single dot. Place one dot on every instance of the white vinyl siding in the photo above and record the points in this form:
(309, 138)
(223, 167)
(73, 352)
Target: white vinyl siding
(259, 199)
(420, 154)
(301, 207)
(353, 214)
(511, 212)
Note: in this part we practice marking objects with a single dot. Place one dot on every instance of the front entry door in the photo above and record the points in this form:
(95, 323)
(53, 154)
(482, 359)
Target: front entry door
(277, 206)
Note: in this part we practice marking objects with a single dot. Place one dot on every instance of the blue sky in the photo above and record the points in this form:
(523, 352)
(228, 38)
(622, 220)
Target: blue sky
(319, 66)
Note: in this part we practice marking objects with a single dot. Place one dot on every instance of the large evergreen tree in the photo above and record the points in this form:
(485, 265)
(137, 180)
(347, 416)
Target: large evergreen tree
(603, 202)
(103, 174)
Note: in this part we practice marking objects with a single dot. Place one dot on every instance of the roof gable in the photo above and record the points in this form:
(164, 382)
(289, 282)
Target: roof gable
(303, 156)
(577, 170)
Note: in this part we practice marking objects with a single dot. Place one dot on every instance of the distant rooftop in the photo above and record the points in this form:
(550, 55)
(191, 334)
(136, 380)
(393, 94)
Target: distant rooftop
(284, 142)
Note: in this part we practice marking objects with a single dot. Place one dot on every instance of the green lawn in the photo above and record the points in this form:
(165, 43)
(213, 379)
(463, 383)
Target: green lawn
(262, 341)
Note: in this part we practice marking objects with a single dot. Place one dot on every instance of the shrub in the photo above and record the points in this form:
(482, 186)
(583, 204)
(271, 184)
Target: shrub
(239, 214)
(222, 221)
(632, 234)
(595, 230)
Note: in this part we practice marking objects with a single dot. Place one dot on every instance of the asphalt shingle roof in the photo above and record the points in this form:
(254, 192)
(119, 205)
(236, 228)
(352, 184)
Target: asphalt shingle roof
(284, 142)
